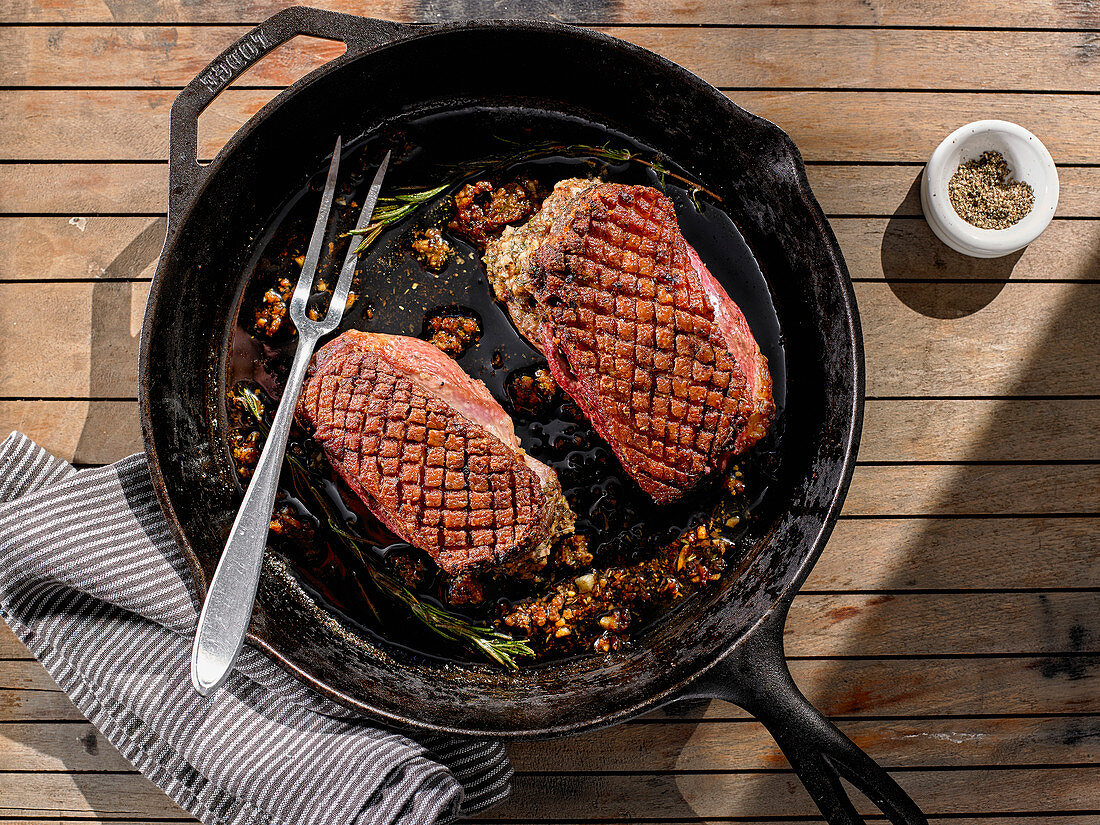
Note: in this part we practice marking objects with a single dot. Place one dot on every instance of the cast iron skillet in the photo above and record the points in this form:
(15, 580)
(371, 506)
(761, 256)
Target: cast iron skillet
(727, 644)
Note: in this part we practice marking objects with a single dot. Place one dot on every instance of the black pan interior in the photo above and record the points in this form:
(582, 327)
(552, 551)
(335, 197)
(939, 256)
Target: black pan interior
(502, 73)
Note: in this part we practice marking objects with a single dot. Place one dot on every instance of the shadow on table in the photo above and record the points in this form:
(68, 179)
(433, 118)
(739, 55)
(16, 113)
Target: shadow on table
(930, 277)
(113, 348)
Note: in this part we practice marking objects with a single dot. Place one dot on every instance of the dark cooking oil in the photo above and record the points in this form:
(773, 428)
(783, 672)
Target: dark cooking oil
(395, 294)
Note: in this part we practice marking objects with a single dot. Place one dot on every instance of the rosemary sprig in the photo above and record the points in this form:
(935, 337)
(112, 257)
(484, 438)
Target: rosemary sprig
(390, 210)
(498, 646)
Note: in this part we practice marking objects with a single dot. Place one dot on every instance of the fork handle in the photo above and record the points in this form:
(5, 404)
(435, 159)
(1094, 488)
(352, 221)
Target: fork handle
(227, 610)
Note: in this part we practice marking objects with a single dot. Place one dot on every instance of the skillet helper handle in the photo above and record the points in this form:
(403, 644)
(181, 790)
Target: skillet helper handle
(359, 34)
(755, 676)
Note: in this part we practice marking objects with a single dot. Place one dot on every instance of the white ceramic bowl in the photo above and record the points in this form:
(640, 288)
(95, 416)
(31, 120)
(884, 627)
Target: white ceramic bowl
(1029, 161)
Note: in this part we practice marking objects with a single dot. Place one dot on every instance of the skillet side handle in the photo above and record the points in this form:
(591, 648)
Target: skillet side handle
(359, 34)
(755, 676)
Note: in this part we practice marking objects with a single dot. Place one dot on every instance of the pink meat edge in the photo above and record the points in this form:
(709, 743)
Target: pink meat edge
(746, 352)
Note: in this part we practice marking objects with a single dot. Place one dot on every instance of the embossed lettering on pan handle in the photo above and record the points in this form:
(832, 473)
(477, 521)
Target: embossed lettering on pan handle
(359, 34)
(756, 677)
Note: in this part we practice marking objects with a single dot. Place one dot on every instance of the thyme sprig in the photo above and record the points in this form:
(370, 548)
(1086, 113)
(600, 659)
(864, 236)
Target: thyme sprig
(499, 647)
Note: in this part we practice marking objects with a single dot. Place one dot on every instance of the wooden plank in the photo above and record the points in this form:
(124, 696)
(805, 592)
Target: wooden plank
(83, 189)
(980, 430)
(27, 693)
(1066, 14)
(84, 432)
(847, 688)
(550, 798)
(900, 249)
(834, 126)
(895, 127)
(973, 490)
(857, 58)
(1032, 339)
(84, 794)
(53, 746)
(943, 624)
(666, 745)
(75, 189)
(73, 248)
(100, 432)
(848, 190)
(952, 554)
(90, 345)
(10, 646)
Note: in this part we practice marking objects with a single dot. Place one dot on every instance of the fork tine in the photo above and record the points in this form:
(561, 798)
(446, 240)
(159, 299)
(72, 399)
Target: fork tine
(343, 286)
(313, 254)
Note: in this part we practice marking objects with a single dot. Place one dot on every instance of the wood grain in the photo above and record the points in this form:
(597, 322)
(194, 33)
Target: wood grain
(550, 798)
(979, 430)
(872, 58)
(1065, 14)
(668, 745)
(958, 554)
(973, 490)
(83, 432)
(72, 248)
(893, 127)
(900, 249)
(844, 190)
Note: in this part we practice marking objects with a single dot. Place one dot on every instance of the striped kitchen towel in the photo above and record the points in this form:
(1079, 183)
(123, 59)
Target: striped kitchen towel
(93, 583)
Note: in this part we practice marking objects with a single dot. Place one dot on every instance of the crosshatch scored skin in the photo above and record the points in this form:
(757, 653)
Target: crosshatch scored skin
(616, 283)
(951, 624)
(450, 484)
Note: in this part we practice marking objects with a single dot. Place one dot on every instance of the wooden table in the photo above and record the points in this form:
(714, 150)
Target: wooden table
(951, 626)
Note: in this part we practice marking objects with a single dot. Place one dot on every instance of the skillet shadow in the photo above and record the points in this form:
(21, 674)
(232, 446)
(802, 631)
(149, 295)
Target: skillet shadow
(930, 277)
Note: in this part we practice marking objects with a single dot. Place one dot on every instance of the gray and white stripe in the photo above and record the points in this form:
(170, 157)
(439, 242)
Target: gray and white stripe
(94, 585)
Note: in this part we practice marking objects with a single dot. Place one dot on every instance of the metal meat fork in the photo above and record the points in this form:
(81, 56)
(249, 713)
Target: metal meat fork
(232, 593)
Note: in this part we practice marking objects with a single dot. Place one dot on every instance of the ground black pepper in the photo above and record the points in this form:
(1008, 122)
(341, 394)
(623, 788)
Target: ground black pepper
(985, 195)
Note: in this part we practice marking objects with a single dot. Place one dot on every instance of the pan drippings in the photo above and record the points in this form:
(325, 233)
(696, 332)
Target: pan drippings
(631, 560)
